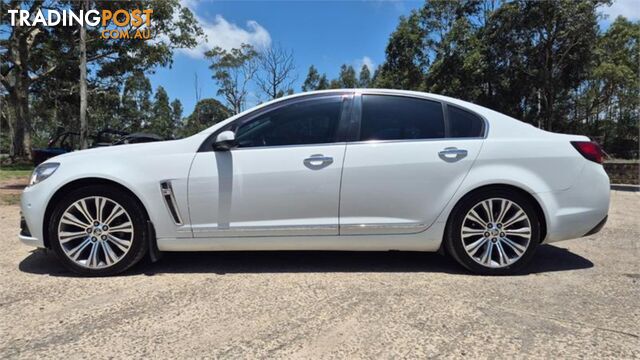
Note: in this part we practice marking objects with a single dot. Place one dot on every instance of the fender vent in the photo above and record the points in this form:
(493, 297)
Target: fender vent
(170, 201)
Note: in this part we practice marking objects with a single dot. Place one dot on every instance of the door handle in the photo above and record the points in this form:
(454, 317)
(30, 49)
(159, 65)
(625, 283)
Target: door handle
(452, 154)
(317, 161)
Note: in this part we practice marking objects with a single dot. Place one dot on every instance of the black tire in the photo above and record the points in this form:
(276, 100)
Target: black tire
(131, 205)
(453, 239)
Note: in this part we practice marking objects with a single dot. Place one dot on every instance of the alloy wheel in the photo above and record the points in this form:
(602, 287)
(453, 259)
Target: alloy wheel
(496, 232)
(95, 232)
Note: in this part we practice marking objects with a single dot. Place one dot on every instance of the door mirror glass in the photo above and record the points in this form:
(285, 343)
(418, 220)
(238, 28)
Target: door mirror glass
(225, 141)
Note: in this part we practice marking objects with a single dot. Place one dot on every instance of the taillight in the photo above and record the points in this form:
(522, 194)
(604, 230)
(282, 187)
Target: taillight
(590, 150)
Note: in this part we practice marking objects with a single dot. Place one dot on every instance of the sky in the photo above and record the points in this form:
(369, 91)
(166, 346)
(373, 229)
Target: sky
(325, 34)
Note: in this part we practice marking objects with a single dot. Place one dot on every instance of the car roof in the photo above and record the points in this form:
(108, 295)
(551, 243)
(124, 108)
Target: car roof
(499, 124)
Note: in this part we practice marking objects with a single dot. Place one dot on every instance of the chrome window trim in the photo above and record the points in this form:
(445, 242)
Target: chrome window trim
(373, 142)
(206, 144)
(427, 97)
(288, 146)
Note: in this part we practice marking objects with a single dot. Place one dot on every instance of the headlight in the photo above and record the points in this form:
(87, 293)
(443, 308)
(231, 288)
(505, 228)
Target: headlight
(42, 172)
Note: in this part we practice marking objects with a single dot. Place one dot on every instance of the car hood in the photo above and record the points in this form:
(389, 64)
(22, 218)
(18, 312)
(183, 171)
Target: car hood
(125, 151)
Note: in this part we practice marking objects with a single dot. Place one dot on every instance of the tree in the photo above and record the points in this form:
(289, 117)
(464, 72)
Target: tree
(315, 81)
(136, 102)
(176, 115)
(161, 115)
(207, 112)
(608, 101)
(547, 45)
(232, 71)
(276, 71)
(174, 26)
(364, 79)
(24, 60)
(312, 80)
(323, 83)
(38, 52)
(347, 78)
(406, 60)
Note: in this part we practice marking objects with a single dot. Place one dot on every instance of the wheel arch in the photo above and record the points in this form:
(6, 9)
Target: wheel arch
(534, 202)
(77, 183)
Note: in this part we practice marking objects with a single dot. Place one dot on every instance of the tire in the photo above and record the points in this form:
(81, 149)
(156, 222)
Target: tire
(511, 245)
(101, 251)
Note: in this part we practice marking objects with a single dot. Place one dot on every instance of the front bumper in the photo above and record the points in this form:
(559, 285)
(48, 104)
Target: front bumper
(31, 241)
(25, 234)
(33, 204)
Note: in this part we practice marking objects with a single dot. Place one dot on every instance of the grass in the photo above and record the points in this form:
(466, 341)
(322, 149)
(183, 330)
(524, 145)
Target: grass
(15, 171)
(9, 199)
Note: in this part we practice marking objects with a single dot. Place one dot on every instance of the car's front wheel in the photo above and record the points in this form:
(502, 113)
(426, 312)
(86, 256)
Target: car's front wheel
(493, 232)
(98, 230)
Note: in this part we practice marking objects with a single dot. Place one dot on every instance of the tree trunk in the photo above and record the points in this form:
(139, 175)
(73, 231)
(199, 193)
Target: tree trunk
(11, 121)
(84, 128)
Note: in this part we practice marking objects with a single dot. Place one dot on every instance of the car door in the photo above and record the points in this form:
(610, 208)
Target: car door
(282, 178)
(406, 163)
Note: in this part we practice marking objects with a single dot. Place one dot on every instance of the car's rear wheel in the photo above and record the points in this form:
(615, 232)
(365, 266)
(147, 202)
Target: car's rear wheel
(98, 230)
(493, 232)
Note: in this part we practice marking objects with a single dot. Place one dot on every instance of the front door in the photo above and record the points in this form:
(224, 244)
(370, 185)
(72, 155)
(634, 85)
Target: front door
(283, 178)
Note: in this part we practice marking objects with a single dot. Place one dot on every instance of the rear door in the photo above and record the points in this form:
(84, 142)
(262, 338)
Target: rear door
(409, 157)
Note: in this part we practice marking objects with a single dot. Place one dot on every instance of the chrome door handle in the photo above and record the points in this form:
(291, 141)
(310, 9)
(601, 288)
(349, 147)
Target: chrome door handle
(317, 161)
(452, 154)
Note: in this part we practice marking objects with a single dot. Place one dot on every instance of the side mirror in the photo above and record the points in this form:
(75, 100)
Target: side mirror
(225, 141)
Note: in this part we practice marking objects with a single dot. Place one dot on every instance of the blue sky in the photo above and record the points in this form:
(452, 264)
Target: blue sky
(326, 34)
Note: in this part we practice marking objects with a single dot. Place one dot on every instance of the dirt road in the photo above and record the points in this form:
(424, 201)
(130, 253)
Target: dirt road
(581, 298)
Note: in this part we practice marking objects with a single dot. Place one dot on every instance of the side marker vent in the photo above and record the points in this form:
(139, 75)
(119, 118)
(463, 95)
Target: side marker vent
(170, 201)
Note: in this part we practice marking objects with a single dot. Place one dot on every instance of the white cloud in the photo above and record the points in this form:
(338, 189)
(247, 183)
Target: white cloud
(225, 34)
(627, 8)
(365, 61)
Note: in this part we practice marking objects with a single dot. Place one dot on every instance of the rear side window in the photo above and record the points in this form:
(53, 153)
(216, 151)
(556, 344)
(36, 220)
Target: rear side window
(400, 118)
(463, 124)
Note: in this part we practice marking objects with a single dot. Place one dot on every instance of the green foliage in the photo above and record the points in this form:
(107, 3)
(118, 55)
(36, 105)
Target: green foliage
(161, 122)
(40, 68)
(323, 83)
(136, 102)
(364, 79)
(176, 114)
(347, 78)
(543, 62)
(315, 81)
(312, 80)
(406, 60)
(207, 112)
(232, 71)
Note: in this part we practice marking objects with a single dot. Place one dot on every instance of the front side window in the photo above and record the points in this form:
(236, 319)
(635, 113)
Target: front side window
(463, 124)
(307, 122)
(387, 117)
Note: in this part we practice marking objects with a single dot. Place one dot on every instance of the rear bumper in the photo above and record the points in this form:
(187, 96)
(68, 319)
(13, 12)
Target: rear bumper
(598, 227)
(579, 210)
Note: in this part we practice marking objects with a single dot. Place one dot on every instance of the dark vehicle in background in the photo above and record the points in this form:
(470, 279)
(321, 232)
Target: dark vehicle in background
(63, 142)
(67, 141)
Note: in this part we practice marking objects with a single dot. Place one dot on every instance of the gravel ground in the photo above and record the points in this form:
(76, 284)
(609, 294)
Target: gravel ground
(581, 298)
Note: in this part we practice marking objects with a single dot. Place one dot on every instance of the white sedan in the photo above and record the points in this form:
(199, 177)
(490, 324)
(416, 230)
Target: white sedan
(363, 170)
